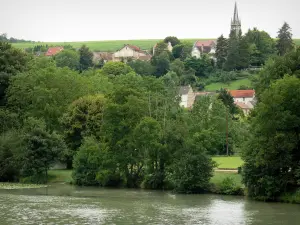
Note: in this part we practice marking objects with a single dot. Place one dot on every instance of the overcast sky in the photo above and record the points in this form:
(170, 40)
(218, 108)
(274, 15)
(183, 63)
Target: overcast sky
(87, 20)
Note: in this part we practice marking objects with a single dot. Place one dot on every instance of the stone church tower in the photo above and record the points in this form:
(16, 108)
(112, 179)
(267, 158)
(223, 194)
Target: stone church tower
(236, 22)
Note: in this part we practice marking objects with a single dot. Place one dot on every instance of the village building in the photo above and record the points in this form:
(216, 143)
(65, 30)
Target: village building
(53, 51)
(236, 22)
(130, 51)
(105, 56)
(187, 96)
(244, 99)
(201, 47)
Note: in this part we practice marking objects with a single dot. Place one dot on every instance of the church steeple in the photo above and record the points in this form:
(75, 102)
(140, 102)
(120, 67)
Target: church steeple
(235, 21)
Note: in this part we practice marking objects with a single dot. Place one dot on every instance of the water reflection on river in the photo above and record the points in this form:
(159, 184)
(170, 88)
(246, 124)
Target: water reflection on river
(63, 204)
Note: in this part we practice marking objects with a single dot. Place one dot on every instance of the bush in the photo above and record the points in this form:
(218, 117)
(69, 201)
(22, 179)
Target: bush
(229, 187)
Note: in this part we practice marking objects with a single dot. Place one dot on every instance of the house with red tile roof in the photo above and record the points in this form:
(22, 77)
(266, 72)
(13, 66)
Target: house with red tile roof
(130, 51)
(203, 46)
(244, 99)
(53, 51)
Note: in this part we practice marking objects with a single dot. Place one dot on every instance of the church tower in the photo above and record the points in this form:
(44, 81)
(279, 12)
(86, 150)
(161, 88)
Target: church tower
(236, 22)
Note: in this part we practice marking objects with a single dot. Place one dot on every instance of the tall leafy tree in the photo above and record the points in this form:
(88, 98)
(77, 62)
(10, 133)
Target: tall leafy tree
(68, 58)
(221, 51)
(285, 42)
(174, 40)
(262, 46)
(85, 58)
(232, 61)
(244, 54)
(116, 68)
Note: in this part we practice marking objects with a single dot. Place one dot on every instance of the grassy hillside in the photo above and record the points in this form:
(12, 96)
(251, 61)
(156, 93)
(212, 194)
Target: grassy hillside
(231, 86)
(102, 45)
(109, 46)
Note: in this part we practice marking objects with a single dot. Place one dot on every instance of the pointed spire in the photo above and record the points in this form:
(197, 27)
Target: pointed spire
(235, 14)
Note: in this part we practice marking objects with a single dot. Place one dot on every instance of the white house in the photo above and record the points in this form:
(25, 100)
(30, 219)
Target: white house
(187, 96)
(244, 99)
(244, 96)
(130, 51)
(200, 47)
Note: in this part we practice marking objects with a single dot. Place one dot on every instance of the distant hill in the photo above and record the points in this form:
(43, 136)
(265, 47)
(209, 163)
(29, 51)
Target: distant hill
(109, 46)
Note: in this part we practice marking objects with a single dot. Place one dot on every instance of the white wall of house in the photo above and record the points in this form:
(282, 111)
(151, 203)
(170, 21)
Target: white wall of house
(244, 100)
(128, 52)
(195, 52)
(184, 101)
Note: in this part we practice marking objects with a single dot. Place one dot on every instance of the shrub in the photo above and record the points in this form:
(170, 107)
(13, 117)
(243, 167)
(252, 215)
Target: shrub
(229, 187)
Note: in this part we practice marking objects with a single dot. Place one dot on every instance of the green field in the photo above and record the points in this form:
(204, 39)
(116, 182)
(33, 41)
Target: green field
(220, 176)
(60, 176)
(109, 46)
(231, 86)
(231, 162)
(112, 45)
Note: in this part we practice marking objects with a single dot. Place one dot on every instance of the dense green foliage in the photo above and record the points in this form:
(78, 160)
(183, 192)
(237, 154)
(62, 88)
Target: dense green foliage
(272, 153)
(85, 58)
(285, 42)
(68, 58)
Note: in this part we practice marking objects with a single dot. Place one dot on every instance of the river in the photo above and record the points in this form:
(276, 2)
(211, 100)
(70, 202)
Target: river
(65, 204)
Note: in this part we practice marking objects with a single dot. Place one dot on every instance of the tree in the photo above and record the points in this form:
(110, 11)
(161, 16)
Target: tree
(202, 66)
(285, 42)
(68, 58)
(162, 64)
(174, 40)
(94, 166)
(232, 61)
(41, 149)
(84, 117)
(85, 58)
(244, 54)
(147, 136)
(221, 51)
(116, 68)
(142, 67)
(228, 101)
(272, 153)
(178, 67)
(12, 61)
(276, 69)
(50, 90)
(160, 48)
(262, 46)
(182, 50)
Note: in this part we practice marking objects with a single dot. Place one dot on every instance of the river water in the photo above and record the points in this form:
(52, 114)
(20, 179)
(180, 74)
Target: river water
(64, 204)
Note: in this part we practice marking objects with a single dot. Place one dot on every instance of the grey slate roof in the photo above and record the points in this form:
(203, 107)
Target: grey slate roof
(184, 90)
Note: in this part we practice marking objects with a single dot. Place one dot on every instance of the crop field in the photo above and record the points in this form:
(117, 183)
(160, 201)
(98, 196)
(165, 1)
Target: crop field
(108, 46)
(111, 45)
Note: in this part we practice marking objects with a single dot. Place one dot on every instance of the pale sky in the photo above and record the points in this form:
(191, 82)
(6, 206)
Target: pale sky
(88, 20)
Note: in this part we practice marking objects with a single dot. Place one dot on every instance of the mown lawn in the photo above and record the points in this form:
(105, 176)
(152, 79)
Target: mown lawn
(230, 162)
(109, 46)
(220, 176)
(231, 86)
(60, 176)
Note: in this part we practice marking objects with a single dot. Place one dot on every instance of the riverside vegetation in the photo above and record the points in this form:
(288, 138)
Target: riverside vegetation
(116, 125)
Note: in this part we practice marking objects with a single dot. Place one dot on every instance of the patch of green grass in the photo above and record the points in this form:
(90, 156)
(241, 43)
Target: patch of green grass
(228, 162)
(109, 46)
(10, 186)
(60, 176)
(297, 41)
(231, 86)
(220, 176)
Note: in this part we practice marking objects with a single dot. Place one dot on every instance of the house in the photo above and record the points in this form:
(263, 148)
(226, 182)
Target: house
(53, 51)
(244, 99)
(187, 96)
(244, 107)
(130, 51)
(200, 47)
(169, 47)
(105, 56)
(244, 96)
